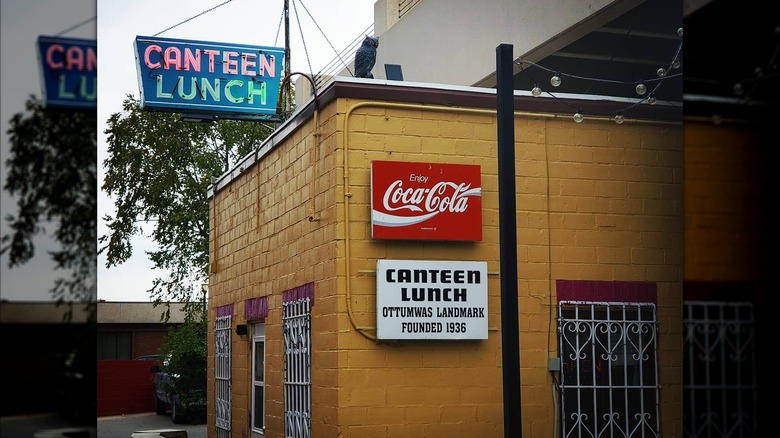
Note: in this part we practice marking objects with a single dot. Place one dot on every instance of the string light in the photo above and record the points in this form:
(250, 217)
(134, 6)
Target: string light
(640, 86)
(555, 80)
(651, 99)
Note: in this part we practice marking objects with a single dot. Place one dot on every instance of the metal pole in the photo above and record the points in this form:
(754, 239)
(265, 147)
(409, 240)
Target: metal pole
(287, 85)
(510, 333)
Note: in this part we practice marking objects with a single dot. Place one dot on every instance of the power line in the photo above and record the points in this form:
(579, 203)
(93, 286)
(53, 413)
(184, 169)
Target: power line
(77, 25)
(193, 17)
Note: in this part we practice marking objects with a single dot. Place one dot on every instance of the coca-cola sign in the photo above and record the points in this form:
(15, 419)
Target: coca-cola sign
(426, 201)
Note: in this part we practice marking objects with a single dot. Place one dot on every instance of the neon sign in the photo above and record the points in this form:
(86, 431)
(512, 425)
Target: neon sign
(218, 79)
(68, 72)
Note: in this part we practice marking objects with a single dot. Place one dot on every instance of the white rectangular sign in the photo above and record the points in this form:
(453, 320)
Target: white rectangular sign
(431, 299)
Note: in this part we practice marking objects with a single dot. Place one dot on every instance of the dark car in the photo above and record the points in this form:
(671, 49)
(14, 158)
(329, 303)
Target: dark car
(183, 396)
(154, 357)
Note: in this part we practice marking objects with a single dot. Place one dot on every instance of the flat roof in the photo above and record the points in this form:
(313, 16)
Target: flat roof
(444, 95)
(40, 312)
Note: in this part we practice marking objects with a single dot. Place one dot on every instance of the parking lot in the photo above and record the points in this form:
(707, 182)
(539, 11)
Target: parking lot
(124, 426)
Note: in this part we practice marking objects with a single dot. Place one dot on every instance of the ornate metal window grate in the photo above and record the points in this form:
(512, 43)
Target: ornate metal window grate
(609, 373)
(719, 381)
(296, 320)
(222, 375)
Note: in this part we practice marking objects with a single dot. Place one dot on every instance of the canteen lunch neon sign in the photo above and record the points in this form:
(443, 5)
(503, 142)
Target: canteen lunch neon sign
(68, 72)
(209, 78)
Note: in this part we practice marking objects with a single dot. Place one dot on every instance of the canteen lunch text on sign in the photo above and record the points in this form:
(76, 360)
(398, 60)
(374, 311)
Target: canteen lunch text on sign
(68, 72)
(424, 299)
(201, 77)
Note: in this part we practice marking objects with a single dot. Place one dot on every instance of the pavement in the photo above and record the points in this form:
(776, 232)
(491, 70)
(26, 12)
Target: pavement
(147, 425)
(43, 425)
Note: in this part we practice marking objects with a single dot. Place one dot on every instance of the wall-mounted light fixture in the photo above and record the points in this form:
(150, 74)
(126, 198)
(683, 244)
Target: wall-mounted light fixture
(241, 329)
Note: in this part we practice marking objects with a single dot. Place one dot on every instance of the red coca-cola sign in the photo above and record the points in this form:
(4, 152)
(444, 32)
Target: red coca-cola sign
(426, 201)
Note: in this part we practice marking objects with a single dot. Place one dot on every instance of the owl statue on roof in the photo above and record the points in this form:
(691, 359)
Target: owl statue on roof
(365, 57)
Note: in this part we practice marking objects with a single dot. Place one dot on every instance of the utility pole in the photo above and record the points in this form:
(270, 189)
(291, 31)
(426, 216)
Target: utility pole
(287, 92)
(510, 333)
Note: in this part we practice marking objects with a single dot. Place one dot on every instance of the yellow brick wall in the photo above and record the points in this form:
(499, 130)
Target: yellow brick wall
(596, 201)
(723, 202)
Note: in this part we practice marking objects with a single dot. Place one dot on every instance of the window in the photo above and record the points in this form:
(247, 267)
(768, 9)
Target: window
(258, 378)
(296, 326)
(116, 345)
(720, 368)
(222, 376)
(609, 373)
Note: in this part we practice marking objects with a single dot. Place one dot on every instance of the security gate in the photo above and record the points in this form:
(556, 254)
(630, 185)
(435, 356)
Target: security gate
(720, 368)
(222, 372)
(609, 374)
(296, 319)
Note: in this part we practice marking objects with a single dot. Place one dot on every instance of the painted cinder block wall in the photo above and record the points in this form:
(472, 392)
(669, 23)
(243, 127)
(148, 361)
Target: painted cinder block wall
(726, 190)
(596, 201)
(729, 232)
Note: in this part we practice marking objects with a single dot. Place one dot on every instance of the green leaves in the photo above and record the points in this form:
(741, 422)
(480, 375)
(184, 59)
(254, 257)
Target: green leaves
(52, 170)
(158, 171)
(186, 354)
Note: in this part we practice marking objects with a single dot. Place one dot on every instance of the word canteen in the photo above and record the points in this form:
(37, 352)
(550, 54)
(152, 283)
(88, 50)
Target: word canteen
(188, 59)
(458, 276)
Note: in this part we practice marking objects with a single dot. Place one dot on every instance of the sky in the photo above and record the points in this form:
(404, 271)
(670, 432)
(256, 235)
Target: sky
(21, 23)
(249, 22)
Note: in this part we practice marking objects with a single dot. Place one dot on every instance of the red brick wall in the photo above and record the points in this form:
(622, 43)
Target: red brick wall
(124, 387)
(147, 342)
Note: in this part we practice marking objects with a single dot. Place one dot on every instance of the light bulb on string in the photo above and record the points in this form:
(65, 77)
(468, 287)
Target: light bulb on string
(661, 72)
(676, 63)
(679, 31)
(536, 91)
(578, 117)
(641, 88)
(651, 99)
(738, 90)
(555, 80)
(619, 119)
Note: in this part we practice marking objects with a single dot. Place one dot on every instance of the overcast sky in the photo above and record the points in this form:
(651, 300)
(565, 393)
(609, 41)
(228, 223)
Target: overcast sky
(21, 23)
(249, 22)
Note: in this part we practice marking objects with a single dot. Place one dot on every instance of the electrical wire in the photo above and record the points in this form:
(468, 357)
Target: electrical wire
(303, 40)
(193, 17)
(662, 75)
(323, 34)
(75, 26)
(659, 80)
(279, 28)
(586, 78)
